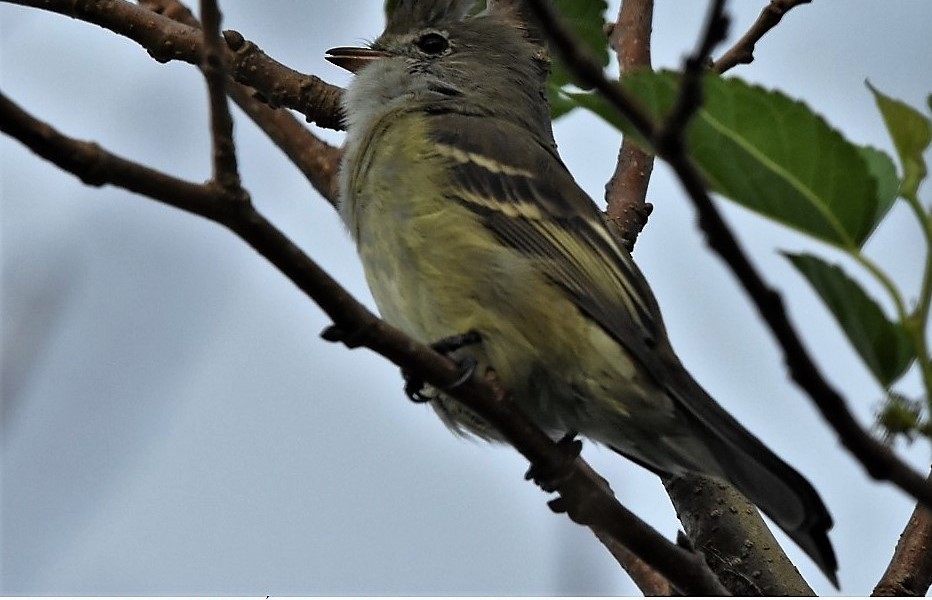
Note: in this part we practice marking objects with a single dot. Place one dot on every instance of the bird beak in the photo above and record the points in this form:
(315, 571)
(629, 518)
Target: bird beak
(353, 59)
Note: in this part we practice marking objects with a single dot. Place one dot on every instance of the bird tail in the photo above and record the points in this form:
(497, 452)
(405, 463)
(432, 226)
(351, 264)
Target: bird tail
(775, 487)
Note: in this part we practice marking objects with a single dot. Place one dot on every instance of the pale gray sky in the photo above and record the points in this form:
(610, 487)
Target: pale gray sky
(172, 423)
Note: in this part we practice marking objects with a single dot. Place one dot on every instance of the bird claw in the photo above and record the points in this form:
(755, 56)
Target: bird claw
(549, 477)
(414, 386)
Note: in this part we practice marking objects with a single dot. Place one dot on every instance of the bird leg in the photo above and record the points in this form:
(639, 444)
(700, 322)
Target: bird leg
(549, 478)
(414, 386)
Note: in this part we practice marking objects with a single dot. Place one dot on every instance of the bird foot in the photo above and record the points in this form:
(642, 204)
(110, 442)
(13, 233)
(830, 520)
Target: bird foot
(549, 477)
(414, 386)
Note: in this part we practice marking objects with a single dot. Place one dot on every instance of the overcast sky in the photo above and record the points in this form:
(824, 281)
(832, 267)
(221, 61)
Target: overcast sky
(173, 424)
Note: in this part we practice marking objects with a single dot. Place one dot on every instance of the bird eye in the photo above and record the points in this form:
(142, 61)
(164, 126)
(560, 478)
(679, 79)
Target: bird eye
(432, 43)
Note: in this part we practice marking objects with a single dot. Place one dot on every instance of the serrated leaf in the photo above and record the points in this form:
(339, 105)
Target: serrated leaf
(773, 155)
(883, 345)
(911, 132)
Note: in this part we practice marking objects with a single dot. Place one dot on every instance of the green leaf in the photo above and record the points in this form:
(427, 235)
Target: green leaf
(597, 104)
(883, 170)
(586, 19)
(884, 346)
(560, 101)
(911, 133)
(775, 156)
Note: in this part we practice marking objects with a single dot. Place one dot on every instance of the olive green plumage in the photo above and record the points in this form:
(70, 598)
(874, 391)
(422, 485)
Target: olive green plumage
(466, 219)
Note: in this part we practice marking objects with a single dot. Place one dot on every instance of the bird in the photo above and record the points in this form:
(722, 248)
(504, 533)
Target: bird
(475, 237)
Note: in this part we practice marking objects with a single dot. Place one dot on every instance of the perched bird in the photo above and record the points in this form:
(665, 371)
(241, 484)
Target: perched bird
(469, 224)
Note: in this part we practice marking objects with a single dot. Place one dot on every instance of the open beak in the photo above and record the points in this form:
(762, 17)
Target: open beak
(353, 59)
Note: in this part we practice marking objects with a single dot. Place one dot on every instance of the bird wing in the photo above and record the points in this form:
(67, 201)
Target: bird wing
(524, 194)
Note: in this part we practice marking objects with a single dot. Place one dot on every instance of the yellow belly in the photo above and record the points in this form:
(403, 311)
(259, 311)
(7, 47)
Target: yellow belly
(435, 271)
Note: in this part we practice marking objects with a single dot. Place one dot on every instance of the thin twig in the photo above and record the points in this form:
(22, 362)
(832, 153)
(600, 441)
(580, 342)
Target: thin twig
(214, 67)
(671, 137)
(878, 460)
(583, 495)
(910, 570)
(627, 208)
(742, 52)
(317, 160)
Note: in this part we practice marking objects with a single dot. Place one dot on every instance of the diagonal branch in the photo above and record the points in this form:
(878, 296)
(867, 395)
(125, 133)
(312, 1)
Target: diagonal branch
(767, 570)
(225, 170)
(97, 167)
(878, 460)
(910, 570)
(584, 496)
(736, 542)
(647, 579)
(742, 52)
(317, 160)
(166, 40)
(671, 136)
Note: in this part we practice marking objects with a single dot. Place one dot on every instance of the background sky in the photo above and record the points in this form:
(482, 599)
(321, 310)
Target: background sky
(173, 424)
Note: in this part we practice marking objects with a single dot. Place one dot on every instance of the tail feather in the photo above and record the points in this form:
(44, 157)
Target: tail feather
(775, 487)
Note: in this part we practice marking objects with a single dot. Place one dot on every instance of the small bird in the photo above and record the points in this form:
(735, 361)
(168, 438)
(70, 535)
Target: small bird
(473, 234)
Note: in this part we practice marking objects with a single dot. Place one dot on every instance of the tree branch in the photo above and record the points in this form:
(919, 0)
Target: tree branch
(730, 533)
(876, 458)
(910, 570)
(166, 40)
(584, 496)
(214, 67)
(317, 160)
(225, 164)
(742, 52)
(647, 579)
(737, 544)
(96, 167)
(627, 208)
(671, 137)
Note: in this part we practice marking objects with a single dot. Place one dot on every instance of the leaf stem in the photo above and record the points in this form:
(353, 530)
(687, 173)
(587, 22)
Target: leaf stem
(919, 319)
(884, 280)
